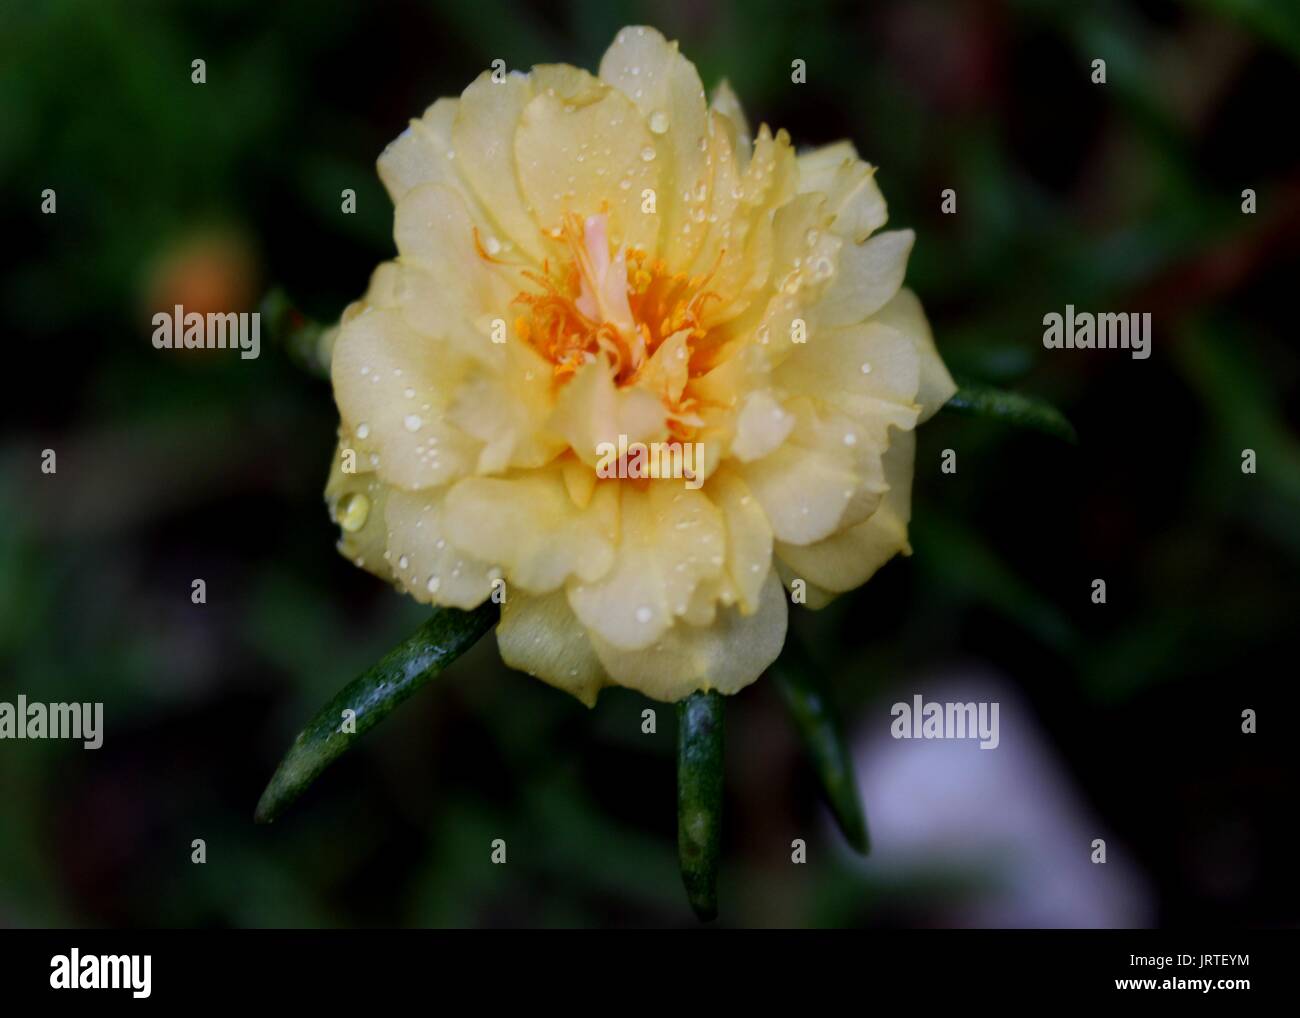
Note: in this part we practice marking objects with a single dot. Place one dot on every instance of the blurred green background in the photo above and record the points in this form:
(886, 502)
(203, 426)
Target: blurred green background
(172, 466)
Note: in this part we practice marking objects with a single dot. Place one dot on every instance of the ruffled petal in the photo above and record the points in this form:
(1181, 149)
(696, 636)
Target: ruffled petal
(483, 138)
(725, 656)
(670, 539)
(527, 524)
(540, 635)
(935, 386)
(867, 277)
(849, 558)
(588, 158)
(667, 91)
(424, 562)
(390, 384)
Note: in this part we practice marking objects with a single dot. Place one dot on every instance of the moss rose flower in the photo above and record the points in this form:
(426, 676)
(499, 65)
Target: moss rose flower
(587, 263)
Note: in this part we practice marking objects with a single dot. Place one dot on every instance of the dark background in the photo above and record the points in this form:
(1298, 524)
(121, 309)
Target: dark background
(1119, 721)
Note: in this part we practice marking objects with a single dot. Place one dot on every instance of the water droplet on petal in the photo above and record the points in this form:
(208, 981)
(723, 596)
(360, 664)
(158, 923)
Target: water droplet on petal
(412, 422)
(351, 511)
(659, 122)
(363, 430)
(648, 153)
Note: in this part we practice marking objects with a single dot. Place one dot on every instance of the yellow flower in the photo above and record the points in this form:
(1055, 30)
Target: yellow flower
(592, 263)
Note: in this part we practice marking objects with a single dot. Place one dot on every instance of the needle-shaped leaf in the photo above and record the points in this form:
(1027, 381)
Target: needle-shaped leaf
(814, 716)
(1015, 408)
(370, 698)
(699, 799)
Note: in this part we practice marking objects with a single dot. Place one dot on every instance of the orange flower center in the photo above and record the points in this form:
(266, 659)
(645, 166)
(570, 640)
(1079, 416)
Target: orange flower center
(625, 306)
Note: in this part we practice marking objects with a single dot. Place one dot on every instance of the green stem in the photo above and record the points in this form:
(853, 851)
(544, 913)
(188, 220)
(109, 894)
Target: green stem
(371, 698)
(699, 798)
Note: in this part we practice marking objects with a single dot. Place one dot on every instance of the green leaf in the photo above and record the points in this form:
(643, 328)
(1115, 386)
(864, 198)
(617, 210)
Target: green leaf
(699, 799)
(1016, 408)
(815, 718)
(300, 337)
(371, 698)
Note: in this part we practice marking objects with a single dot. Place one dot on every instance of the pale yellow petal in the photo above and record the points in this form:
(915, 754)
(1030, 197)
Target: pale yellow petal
(356, 500)
(727, 103)
(483, 138)
(667, 91)
(749, 536)
(421, 153)
(587, 159)
(853, 198)
(761, 427)
(936, 386)
(423, 560)
(725, 656)
(670, 539)
(527, 524)
(433, 231)
(855, 368)
(867, 277)
(849, 558)
(390, 384)
(540, 635)
(591, 413)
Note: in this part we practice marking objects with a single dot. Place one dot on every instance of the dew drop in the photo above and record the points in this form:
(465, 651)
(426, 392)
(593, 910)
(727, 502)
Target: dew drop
(351, 511)
(433, 585)
(412, 422)
(648, 153)
(659, 122)
(363, 430)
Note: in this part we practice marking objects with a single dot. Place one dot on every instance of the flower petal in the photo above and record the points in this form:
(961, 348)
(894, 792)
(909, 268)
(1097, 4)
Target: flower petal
(389, 383)
(527, 524)
(667, 91)
(483, 137)
(587, 159)
(670, 539)
(424, 562)
(749, 536)
(848, 559)
(726, 656)
(867, 277)
(936, 386)
(591, 412)
(540, 635)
